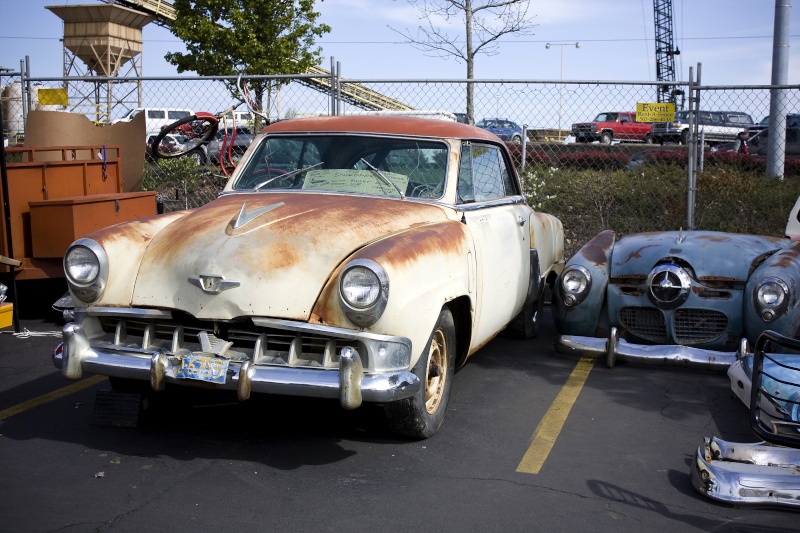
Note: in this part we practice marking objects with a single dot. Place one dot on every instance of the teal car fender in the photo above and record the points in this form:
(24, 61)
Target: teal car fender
(588, 317)
(781, 269)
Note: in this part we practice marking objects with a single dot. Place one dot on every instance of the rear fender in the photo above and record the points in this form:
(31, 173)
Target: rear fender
(547, 238)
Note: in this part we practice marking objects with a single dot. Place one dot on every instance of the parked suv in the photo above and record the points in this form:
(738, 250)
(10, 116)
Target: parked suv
(792, 121)
(607, 126)
(717, 126)
(156, 117)
(758, 144)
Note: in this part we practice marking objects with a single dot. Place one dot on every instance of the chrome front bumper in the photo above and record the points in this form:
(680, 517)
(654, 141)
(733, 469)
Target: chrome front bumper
(747, 473)
(614, 349)
(349, 383)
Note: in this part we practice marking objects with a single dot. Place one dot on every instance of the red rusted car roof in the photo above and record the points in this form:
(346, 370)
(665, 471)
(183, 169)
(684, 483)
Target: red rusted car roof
(382, 124)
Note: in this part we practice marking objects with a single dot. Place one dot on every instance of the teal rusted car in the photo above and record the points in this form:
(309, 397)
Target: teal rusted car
(694, 298)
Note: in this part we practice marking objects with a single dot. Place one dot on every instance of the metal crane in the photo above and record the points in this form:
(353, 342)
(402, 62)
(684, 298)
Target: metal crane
(665, 50)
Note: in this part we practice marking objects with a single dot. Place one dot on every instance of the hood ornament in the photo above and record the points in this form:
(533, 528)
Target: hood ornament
(213, 283)
(244, 217)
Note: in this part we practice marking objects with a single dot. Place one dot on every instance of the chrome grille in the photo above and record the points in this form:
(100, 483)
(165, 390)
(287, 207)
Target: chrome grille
(270, 346)
(584, 128)
(694, 326)
(644, 322)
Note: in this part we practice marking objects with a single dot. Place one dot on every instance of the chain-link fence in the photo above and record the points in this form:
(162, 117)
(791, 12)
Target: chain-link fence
(586, 158)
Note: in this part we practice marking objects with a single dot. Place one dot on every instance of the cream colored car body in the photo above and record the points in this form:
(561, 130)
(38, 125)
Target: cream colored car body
(284, 252)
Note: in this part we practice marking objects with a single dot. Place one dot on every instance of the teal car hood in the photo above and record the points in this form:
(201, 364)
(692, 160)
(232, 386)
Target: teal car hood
(712, 255)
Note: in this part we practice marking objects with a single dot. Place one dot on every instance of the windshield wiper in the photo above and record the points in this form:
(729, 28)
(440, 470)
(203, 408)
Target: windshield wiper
(385, 178)
(286, 175)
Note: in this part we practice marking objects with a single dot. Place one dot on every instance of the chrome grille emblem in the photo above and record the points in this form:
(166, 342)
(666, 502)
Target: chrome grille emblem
(668, 286)
(212, 283)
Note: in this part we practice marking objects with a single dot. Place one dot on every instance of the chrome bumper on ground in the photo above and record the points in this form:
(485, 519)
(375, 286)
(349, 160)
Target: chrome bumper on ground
(349, 383)
(747, 473)
(614, 349)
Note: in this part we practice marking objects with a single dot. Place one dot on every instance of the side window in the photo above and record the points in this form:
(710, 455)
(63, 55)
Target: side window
(176, 115)
(482, 174)
(624, 118)
(156, 113)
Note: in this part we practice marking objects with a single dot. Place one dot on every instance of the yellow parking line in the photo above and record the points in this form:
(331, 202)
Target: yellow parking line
(548, 429)
(50, 396)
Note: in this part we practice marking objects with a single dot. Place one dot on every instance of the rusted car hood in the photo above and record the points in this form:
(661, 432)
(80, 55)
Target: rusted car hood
(712, 255)
(281, 252)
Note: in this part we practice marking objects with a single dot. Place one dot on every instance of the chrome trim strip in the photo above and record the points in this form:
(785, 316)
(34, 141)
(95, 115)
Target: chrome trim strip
(127, 312)
(331, 331)
(621, 350)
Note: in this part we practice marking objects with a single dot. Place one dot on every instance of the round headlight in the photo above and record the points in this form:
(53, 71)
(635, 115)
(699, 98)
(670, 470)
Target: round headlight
(771, 298)
(575, 284)
(363, 291)
(81, 265)
(360, 287)
(771, 294)
(86, 268)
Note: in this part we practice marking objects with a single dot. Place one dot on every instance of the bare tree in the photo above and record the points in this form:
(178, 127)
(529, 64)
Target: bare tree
(485, 22)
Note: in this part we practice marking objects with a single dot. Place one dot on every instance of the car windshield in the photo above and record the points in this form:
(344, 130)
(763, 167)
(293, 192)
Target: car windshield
(606, 117)
(376, 165)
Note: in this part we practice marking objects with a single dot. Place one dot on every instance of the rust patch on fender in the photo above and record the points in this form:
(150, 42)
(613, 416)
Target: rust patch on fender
(786, 258)
(597, 249)
(441, 238)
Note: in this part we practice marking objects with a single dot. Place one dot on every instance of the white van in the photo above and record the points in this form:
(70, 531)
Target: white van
(156, 117)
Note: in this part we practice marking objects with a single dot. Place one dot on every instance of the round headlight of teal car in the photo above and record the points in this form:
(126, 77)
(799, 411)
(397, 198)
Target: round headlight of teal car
(771, 298)
(86, 269)
(363, 291)
(575, 284)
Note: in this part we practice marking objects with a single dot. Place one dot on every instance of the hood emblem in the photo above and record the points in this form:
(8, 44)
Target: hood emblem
(212, 283)
(244, 217)
(669, 286)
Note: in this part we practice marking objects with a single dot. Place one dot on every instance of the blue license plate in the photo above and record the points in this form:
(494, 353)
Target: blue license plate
(203, 367)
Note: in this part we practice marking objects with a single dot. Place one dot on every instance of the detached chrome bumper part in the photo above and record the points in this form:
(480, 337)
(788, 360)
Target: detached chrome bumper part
(747, 473)
(350, 384)
(614, 349)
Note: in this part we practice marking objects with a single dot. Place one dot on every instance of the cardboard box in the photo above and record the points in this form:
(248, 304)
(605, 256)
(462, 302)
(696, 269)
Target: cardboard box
(6, 314)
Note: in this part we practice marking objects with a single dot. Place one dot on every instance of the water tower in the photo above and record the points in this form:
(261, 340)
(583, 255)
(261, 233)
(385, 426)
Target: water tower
(102, 40)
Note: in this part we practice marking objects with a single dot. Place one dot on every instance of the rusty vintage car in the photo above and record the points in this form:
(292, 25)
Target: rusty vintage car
(696, 298)
(361, 258)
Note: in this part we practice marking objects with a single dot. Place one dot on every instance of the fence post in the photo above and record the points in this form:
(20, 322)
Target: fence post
(338, 94)
(690, 168)
(776, 142)
(524, 145)
(333, 88)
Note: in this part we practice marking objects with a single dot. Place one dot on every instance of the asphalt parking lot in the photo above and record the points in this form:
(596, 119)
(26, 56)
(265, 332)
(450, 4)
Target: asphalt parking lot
(201, 462)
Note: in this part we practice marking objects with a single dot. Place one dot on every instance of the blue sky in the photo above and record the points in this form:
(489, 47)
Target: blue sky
(731, 38)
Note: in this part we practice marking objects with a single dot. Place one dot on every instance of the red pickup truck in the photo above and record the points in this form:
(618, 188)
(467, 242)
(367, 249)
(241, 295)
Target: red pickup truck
(606, 127)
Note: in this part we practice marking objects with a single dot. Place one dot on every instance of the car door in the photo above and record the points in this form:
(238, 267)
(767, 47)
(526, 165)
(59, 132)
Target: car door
(498, 221)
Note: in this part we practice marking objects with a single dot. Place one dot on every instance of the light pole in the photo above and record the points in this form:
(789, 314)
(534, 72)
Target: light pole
(561, 79)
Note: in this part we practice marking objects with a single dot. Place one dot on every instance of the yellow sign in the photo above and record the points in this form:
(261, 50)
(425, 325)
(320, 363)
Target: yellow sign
(53, 97)
(664, 112)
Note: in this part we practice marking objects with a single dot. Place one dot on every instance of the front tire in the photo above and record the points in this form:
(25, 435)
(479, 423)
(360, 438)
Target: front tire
(420, 416)
(605, 138)
(198, 156)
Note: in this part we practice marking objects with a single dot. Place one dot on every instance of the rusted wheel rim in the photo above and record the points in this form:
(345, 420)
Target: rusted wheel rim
(436, 374)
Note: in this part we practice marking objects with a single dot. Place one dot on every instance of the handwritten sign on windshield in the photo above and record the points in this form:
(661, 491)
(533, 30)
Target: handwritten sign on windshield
(358, 181)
